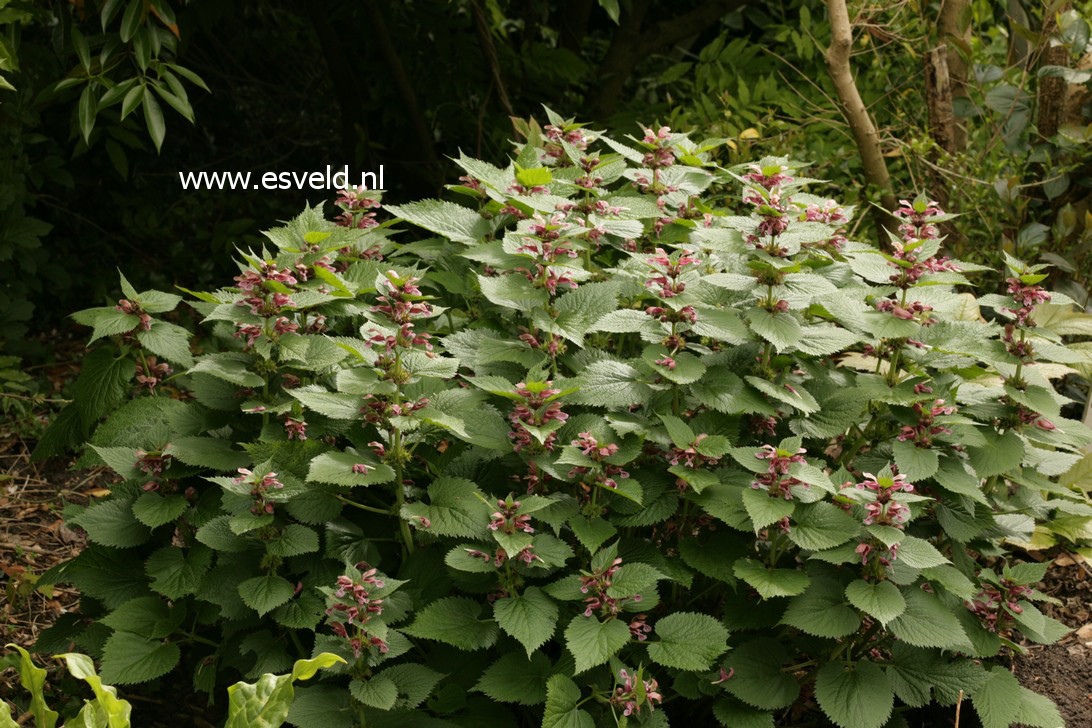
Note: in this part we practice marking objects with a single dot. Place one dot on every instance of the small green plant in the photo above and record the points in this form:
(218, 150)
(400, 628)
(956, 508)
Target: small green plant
(263, 704)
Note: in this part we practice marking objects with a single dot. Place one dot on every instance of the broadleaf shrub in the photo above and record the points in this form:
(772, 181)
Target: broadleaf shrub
(622, 435)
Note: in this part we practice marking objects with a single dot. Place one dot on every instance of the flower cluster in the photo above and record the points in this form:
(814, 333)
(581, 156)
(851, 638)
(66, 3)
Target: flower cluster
(150, 372)
(918, 219)
(774, 480)
(260, 485)
(997, 602)
(605, 473)
(1027, 297)
(538, 407)
(668, 271)
(596, 585)
(131, 308)
(355, 203)
(689, 457)
(498, 557)
(506, 520)
(926, 429)
(353, 605)
(627, 696)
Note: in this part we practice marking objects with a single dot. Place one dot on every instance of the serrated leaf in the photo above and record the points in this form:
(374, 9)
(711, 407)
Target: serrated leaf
(154, 510)
(770, 583)
(765, 509)
(592, 642)
(927, 622)
(881, 600)
(562, 698)
(758, 679)
(128, 658)
(821, 611)
(530, 617)
(455, 621)
(856, 697)
(263, 594)
(515, 678)
(916, 463)
(998, 701)
(687, 641)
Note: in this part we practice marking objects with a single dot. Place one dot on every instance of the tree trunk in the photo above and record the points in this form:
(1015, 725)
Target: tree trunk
(954, 30)
(857, 116)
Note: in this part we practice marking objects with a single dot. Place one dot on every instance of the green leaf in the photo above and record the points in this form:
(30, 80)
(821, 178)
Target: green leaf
(294, 540)
(117, 710)
(916, 463)
(456, 222)
(128, 658)
(733, 714)
(86, 112)
(378, 692)
(1038, 711)
(927, 622)
(455, 621)
(881, 600)
(455, 509)
(105, 321)
(918, 553)
(770, 583)
(593, 642)
(562, 697)
(265, 704)
(857, 697)
(591, 532)
(608, 383)
(146, 616)
(414, 682)
(176, 573)
(822, 525)
(764, 509)
(263, 594)
(998, 701)
(688, 641)
(208, 452)
(758, 679)
(513, 291)
(516, 679)
(780, 329)
(112, 523)
(167, 341)
(336, 468)
(1000, 455)
(154, 510)
(32, 679)
(529, 617)
(821, 611)
(153, 117)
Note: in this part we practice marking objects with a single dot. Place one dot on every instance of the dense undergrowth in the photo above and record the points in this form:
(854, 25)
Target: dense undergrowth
(627, 438)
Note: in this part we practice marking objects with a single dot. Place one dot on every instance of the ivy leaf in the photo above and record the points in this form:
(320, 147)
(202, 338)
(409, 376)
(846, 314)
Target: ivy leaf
(593, 642)
(562, 697)
(128, 658)
(881, 600)
(688, 641)
(455, 621)
(770, 583)
(265, 593)
(857, 697)
(529, 617)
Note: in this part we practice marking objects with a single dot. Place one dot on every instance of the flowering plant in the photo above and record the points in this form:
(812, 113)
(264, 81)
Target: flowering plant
(624, 437)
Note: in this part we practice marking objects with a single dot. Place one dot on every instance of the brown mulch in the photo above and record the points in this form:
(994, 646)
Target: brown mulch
(33, 538)
(1063, 671)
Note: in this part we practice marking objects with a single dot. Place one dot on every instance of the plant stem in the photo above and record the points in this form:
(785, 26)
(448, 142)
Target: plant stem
(362, 506)
(400, 489)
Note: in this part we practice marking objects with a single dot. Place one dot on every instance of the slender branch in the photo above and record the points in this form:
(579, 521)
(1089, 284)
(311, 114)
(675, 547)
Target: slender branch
(490, 52)
(860, 123)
